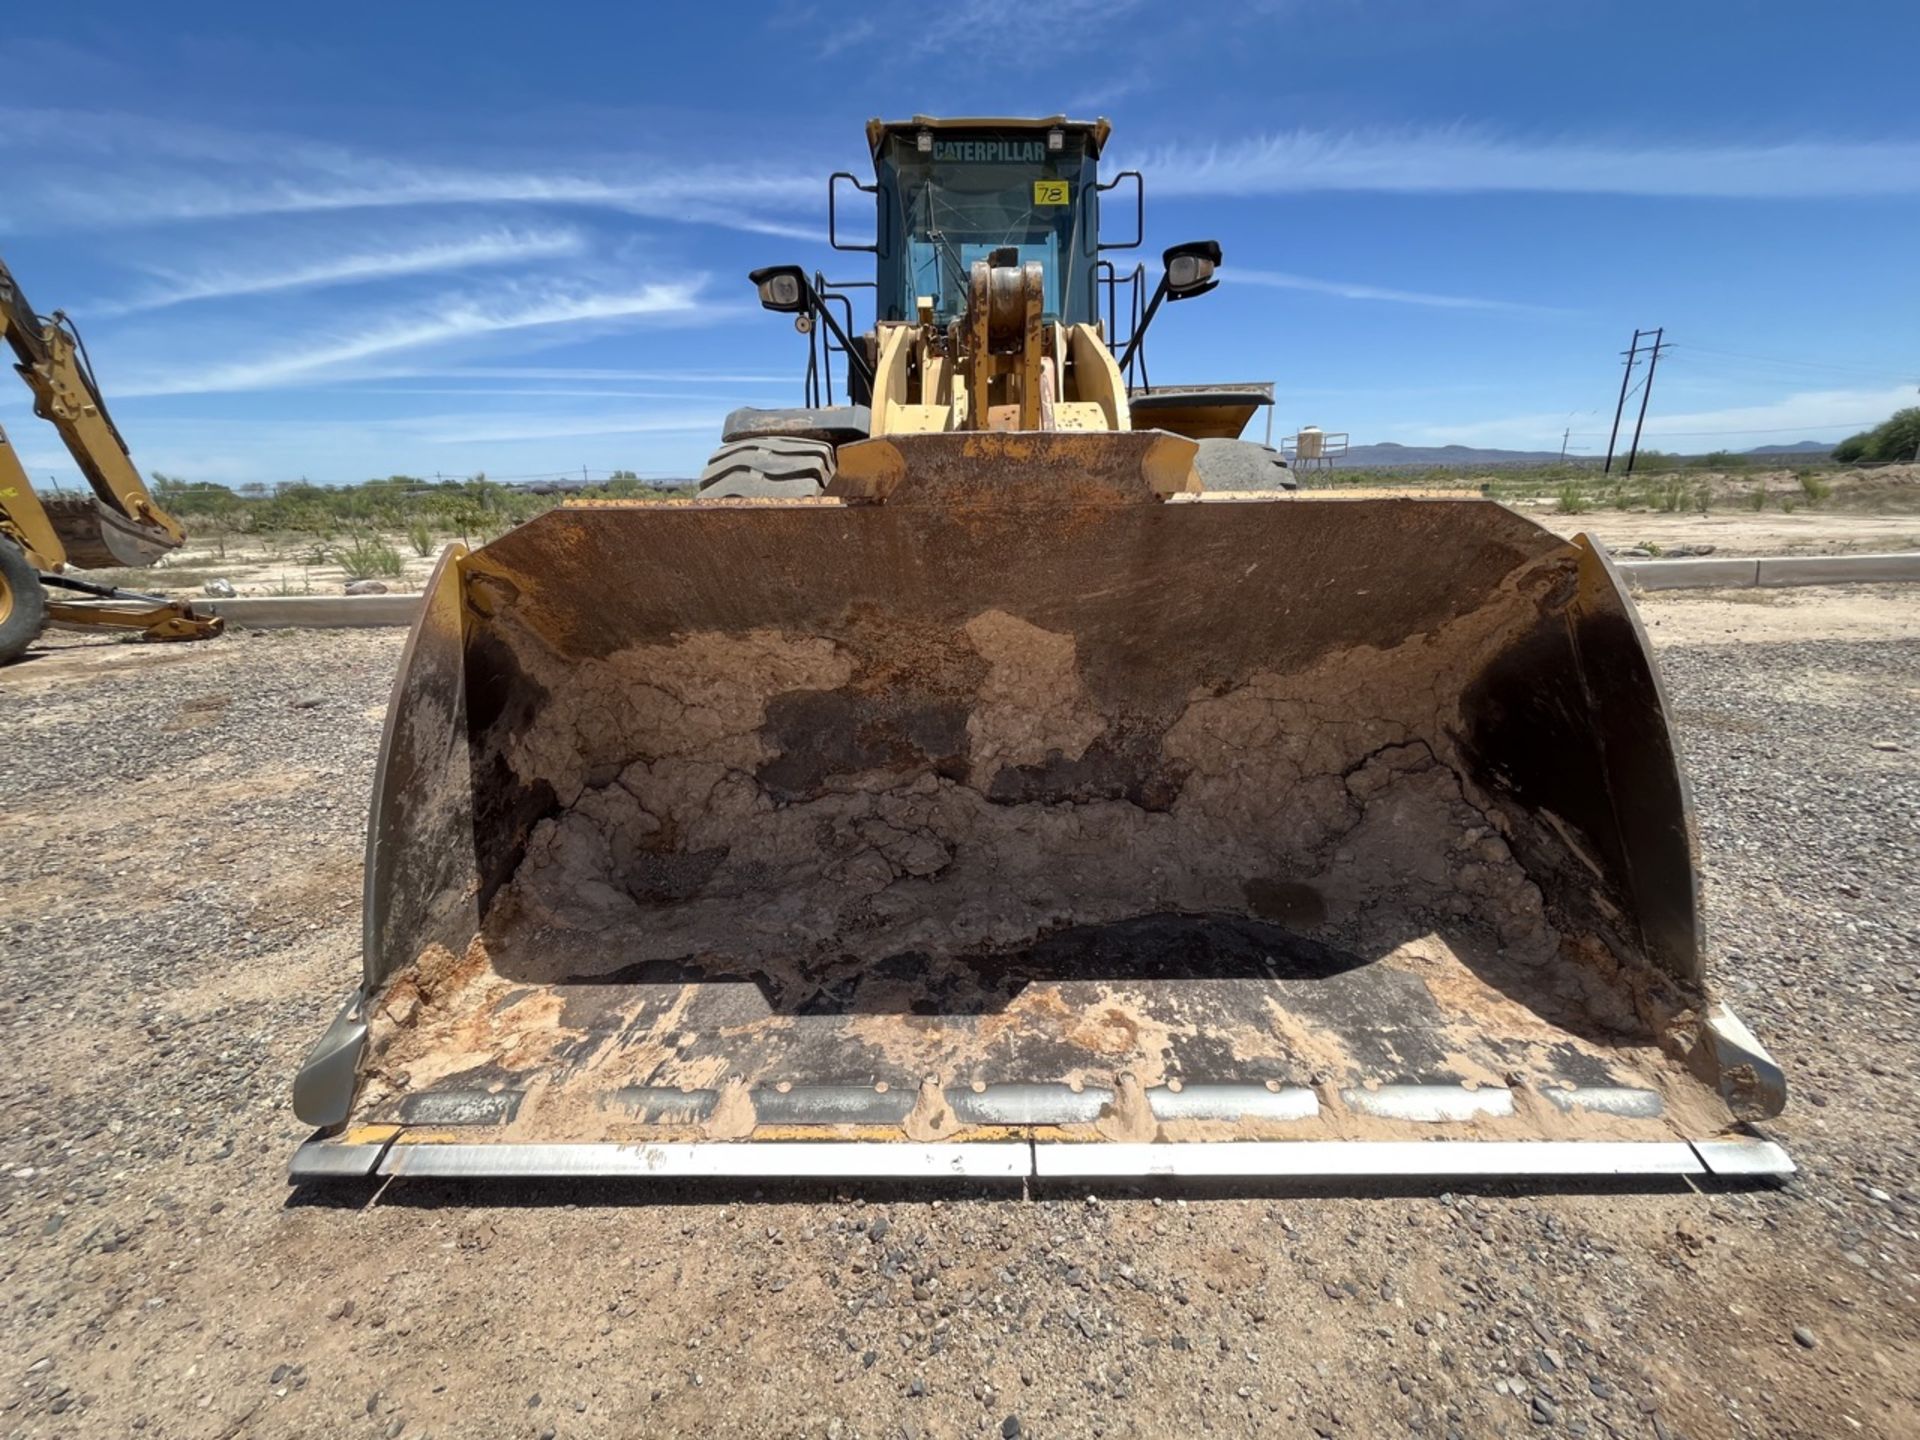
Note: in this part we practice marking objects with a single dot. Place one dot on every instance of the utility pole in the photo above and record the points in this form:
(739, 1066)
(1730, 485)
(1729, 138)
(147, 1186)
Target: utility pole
(1565, 435)
(1646, 391)
(1633, 358)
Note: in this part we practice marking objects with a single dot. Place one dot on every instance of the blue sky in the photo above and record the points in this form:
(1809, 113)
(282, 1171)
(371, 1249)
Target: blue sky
(441, 238)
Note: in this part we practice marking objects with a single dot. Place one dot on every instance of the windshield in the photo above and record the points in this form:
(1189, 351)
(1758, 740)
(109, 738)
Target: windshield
(970, 196)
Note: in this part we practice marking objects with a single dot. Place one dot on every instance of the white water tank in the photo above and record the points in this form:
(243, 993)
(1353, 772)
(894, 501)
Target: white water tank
(1309, 444)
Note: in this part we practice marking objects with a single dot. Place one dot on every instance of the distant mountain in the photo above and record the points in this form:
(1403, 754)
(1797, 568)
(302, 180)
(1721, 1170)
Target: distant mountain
(1388, 456)
(1799, 447)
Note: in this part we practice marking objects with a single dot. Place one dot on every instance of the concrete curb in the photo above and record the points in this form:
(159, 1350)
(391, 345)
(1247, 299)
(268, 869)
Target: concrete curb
(1838, 569)
(1743, 572)
(313, 612)
(1712, 572)
(1707, 573)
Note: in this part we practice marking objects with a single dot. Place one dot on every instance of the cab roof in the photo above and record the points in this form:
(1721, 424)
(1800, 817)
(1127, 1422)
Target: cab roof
(1096, 131)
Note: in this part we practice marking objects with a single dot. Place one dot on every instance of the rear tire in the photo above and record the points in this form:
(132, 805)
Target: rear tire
(23, 603)
(771, 468)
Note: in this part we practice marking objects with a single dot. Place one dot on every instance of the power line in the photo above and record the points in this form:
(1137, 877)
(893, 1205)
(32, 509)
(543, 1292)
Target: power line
(1862, 370)
(1755, 429)
(1778, 429)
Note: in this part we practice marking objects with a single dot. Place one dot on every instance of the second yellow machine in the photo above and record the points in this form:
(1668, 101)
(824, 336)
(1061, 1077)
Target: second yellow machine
(119, 524)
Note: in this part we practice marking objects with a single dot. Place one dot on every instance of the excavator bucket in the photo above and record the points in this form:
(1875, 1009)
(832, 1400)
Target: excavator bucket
(96, 537)
(1013, 811)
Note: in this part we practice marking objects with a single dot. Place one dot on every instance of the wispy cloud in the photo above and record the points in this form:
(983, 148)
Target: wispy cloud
(143, 171)
(1109, 90)
(960, 28)
(1283, 280)
(502, 430)
(1820, 412)
(453, 319)
(589, 372)
(497, 247)
(850, 35)
(1805, 415)
(1462, 160)
(548, 392)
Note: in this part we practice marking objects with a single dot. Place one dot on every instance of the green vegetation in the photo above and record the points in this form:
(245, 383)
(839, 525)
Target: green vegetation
(368, 556)
(1661, 483)
(1896, 438)
(1719, 460)
(423, 511)
(1671, 497)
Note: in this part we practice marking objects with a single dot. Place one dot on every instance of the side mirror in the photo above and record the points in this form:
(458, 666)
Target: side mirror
(1190, 268)
(784, 288)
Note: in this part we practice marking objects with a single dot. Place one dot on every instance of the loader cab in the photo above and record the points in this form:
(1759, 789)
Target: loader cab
(949, 193)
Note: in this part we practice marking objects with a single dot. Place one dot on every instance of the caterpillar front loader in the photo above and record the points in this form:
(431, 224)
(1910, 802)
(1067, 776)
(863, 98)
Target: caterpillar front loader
(119, 525)
(960, 786)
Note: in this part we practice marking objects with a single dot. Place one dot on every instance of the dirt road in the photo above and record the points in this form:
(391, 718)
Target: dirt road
(1804, 533)
(182, 841)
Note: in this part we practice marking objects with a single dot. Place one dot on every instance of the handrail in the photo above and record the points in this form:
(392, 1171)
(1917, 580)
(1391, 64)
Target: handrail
(833, 227)
(1139, 210)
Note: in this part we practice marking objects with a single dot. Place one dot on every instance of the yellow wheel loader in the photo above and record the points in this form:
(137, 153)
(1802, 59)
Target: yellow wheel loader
(960, 787)
(119, 525)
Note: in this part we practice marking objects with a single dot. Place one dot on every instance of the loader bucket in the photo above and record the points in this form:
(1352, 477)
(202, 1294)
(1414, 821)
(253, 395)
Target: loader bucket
(1015, 812)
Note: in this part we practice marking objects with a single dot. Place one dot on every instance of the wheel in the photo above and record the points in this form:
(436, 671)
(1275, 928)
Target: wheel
(23, 604)
(1242, 465)
(773, 468)
(835, 424)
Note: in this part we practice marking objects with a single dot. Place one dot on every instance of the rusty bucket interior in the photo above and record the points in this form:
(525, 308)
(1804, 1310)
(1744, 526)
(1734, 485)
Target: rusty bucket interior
(1016, 813)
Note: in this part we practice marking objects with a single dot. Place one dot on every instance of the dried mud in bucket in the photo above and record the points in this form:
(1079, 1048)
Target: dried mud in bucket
(775, 799)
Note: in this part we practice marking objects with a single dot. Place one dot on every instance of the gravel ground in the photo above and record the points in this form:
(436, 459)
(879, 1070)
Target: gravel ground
(180, 917)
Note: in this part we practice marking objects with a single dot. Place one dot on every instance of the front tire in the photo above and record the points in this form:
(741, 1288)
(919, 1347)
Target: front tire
(774, 467)
(23, 603)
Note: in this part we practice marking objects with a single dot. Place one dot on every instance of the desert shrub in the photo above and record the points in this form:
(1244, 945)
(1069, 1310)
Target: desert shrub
(368, 556)
(1719, 460)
